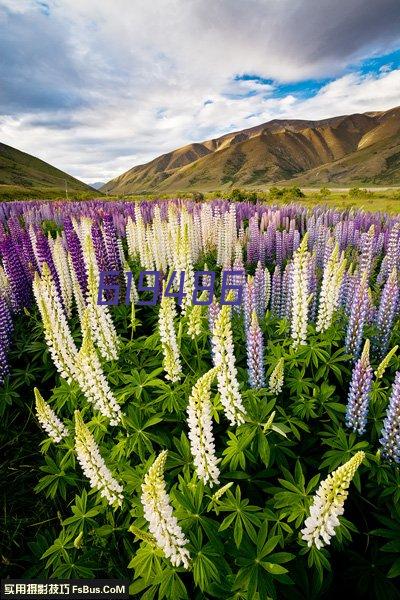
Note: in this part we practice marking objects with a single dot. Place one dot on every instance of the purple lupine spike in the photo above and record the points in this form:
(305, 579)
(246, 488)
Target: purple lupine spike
(29, 258)
(313, 284)
(75, 250)
(390, 440)
(386, 314)
(20, 286)
(212, 313)
(248, 302)
(276, 290)
(259, 291)
(286, 292)
(357, 318)
(255, 353)
(100, 249)
(278, 248)
(367, 250)
(111, 243)
(6, 327)
(43, 253)
(393, 248)
(238, 279)
(359, 393)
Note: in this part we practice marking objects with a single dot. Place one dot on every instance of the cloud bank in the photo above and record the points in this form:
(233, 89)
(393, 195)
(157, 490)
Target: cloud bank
(95, 87)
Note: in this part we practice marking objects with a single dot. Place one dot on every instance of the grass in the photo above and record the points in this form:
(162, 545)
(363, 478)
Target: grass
(376, 199)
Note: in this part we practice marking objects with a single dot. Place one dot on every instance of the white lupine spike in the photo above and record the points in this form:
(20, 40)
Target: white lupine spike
(330, 289)
(172, 363)
(60, 260)
(159, 514)
(93, 465)
(328, 503)
(300, 293)
(200, 429)
(224, 357)
(56, 331)
(91, 378)
(48, 419)
(276, 379)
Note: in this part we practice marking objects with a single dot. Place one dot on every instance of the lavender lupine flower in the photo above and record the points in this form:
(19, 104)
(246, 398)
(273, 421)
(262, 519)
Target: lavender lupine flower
(357, 318)
(19, 285)
(276, 288)
(44, 255)
(5, 335)
(386, 314)
(259, 291)
(287, 291)
(390, 440)
(360, 388)
(76, 254)
(111, 244)
(255, 353)
(248, 301)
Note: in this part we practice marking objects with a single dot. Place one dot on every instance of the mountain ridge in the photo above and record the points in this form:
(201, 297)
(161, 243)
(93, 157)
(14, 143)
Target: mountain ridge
(23, 171)
(280, 151)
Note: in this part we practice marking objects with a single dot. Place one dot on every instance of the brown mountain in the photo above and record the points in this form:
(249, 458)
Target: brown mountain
(346, 150)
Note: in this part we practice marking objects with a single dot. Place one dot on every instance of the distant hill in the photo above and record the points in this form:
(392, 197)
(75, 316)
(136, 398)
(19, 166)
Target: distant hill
(346, 150)
(98, 184)
(23, 175)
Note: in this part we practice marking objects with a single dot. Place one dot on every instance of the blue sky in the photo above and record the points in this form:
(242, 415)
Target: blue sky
(95, 87)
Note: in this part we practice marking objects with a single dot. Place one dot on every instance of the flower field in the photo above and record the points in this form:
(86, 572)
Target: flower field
(207, 396)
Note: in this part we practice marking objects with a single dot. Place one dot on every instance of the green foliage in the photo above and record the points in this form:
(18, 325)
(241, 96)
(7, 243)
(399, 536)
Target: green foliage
(246, 542)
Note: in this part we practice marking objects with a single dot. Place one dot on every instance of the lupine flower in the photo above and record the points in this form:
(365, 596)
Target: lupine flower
(195, 317)
(255, 353)
(357, 317)
(359, 393)
(60, 261)
(267, 277)
(171, 363)
(275, 384)
(300, 294)
(93, 465)
(56, 331)
(386, 313)
(200, 429)
(19, 285)
(48, 419)
(91, 378)
(328, 503)
(259, 291)
(249, 303)
(380, 371)
(75, 252)
(330, 289)
(390, 440)
(228, 386)
(158, 512)
(103, 330)
(6, 328)
(276, 288)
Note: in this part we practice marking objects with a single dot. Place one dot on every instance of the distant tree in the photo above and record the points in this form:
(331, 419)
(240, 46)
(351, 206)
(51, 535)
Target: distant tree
(237, 195)
(198, 196)
(275, 192)
(293, 193)
(252, 197)
(324, 192)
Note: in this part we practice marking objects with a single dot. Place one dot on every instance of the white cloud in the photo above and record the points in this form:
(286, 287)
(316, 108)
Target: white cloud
(141, 73)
